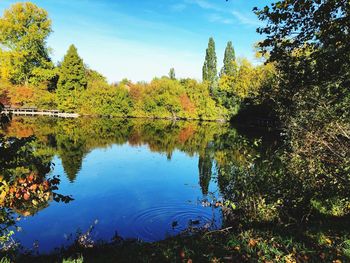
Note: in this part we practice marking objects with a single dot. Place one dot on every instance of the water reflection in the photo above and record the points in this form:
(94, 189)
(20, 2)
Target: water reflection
(148, 179)
(116, 166)
(25, 184)
(205, 166)
(72, 140)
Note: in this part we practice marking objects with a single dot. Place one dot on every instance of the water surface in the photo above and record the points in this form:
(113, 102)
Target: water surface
(132, 178)
(150, 179)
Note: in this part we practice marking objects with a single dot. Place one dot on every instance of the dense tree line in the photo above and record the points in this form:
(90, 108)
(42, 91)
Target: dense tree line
(29, 78)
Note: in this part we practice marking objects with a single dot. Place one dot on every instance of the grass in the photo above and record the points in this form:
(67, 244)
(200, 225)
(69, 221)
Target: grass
(70, 260)
(250, 245)
(326, 240)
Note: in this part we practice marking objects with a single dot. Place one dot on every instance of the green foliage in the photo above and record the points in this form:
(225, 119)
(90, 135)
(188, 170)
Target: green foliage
(334, 206)
(167, 98)
(246, 81)
(44, 99)
(72, 80)
(5, 237)
(205, 165)
(346, 248)
(210, 63)
(172, 74)
(24, 28)
(229, 67)
(46, 77)
(205, 107)
(162, 99)
(313, 95)
(78, 260)
(105, 100)
(95, 79)
(5, 260)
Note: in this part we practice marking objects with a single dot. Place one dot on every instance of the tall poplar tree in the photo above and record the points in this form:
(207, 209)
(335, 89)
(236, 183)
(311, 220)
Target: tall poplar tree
(72, 80)
(229, 67)
(210, 63)
(172, 73)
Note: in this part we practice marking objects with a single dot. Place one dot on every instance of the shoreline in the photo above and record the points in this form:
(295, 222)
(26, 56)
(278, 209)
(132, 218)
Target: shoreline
(58, 114)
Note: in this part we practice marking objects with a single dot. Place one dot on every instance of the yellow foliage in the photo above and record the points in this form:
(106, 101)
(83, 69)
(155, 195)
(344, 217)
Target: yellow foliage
(248, 79)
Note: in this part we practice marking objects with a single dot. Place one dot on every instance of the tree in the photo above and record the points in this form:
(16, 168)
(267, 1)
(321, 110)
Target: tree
(172, 73)
(229, 67)
(321, 34)
(24, 28)
(210, 63)
(233, 89)
(72, 80)
(309, 42)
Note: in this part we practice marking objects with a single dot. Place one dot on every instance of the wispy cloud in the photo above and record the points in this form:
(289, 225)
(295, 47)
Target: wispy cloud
(204, 4)
(216, 18)
(223, 15)
(178, 7)
(246, 19)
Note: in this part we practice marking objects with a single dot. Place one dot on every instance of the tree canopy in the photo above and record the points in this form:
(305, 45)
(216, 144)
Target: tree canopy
(172, 73)
(72, 80)
(229, 67)
(309, 43)
(210, 63)
(24, 29)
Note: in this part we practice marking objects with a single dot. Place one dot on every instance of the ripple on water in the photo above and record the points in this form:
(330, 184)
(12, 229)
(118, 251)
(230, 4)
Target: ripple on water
(156, 223)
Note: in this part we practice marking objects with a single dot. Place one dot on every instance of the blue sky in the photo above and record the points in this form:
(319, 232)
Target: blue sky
(141, 39)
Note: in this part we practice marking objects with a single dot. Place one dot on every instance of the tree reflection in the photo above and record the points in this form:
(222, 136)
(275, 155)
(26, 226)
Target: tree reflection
(205, 166)
(73, 139)
(25, 184)
(260, 177)
(72, 154)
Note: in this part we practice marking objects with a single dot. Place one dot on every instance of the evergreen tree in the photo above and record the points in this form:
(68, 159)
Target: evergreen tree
(210, 63)
(72, 80)
(172, 73)
(229, 60)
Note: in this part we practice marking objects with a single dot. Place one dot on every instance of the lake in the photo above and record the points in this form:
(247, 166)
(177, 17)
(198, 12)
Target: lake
(84, 181)
(141, 179)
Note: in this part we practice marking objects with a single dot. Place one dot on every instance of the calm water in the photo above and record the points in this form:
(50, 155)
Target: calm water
(138, 179)
(148, 180)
